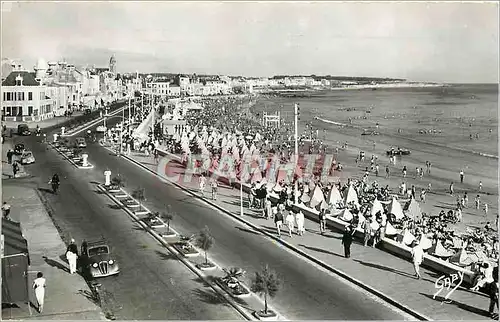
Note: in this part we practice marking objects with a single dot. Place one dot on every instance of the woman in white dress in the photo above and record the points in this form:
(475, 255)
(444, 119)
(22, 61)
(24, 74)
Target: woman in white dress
(290, 221)
(299, 217)
(39, 287)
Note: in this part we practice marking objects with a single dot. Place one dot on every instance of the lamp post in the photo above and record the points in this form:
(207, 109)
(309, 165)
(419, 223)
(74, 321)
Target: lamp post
(296, 117)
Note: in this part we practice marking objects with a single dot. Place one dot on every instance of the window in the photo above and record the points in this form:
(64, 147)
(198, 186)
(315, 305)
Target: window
(19, 111)
(13, 111)
(7, 110)
(30, 96)
(35, 113)
(8, 96)
(22, 96)
(30, 110)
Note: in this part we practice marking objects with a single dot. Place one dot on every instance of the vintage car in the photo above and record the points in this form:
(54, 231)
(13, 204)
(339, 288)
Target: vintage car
(27, 157)
(370, 132)
(101, 129)
(23, 129)
(97, 259)
(398, 151)
(19, 148)
(80, 143)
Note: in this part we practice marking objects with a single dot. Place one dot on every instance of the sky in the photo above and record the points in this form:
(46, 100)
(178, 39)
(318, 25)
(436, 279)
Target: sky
(449, 42)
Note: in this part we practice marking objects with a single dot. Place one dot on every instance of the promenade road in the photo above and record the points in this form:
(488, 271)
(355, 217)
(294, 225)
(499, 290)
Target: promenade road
(151, 285)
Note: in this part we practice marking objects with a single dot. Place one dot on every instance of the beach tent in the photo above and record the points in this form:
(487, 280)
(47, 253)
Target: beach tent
(461, 258)
(438, 250)
(323, 205)
(374, 225)
(317, 197)
(413, 210)
(390, 230)
(351, 196)
(346, 215)
(305, 197)
(376, 207)
(405, 237)
(277, 188)
(15, 263)
(333, 196)
(396, 209)
(425, 242)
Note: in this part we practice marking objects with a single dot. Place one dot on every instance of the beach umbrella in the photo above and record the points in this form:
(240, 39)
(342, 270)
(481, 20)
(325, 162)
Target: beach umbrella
(351, 196)
(256, 176)
(317, 197)
(396, 209)
(376, 207)
(305, 197)
(346, 215)
(408, 237)
(461, 258)
(438, 250)
(390, 230)
(334, 196)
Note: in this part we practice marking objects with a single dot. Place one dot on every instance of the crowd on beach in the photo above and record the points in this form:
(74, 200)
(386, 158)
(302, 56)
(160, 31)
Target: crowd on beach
(227, 127)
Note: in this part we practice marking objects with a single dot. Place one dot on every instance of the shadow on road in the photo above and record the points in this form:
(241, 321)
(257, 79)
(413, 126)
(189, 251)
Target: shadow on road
(115, 206)
(458, 304)
(90, 296)
(388, 269)
(165, 256)
(210, 297)
(46, 190)
(56, 264)
(320, 250)
(247, 230)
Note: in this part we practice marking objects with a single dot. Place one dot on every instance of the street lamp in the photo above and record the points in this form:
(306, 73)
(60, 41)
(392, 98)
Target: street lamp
(296, 117)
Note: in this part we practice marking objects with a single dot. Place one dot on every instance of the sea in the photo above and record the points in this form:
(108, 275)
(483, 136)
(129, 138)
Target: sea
(463, 116)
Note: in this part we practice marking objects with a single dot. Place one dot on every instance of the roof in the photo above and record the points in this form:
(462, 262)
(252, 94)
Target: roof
(14, 242)
(28, 79)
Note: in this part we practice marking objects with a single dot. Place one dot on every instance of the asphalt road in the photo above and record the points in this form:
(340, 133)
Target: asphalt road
(153, 287)
(151, 284)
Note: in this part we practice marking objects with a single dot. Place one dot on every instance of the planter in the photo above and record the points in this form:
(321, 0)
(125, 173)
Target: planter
(206, 266)
(168, 234)
(112, 189)
(187, 250)
(155, 223)
(240, 290)
(269, 316)
(131, 204)
(141, 212)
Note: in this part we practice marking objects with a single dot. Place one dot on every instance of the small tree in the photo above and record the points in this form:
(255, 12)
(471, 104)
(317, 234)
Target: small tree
(168, 215)
(117, 182)
(205, 241)
(77, 152)
(265, 283)
(233, 275)
(139, 195)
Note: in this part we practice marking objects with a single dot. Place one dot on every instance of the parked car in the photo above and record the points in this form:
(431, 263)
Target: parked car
(23, 129)
(87, 111)
(27, 157)
(370, 132)
(19, 148)
(101, 129)
(97, 261)
(398, 151)
(80, 143)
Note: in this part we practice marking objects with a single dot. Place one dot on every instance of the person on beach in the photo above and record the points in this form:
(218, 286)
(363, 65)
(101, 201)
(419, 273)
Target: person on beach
(347, 240)
(290, 222)
(268, 209)
(39, 287)
(404, 171)
(477, 202)
(278, 221)
(322, 221)
(367, 230)
(417, 172)
(417, 254)
(203, 182)
(413, 192)
(422, 195)
(429, 186)
(6, 211)
(376, 170)
(387, 171)
(493, 293)
(214, 186)
(452, 186)
(299, 218)
(421, 173)
(485, 209)
(480, 186)
(466, 200)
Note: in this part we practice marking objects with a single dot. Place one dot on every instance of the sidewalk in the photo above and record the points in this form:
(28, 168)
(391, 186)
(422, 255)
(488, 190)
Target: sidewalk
(42, 124)
(66, 295)
(382, 271)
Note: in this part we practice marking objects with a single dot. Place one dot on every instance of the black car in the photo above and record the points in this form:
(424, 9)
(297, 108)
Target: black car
(23, 129)
(398, 151)
(19, 148)
(87, 111)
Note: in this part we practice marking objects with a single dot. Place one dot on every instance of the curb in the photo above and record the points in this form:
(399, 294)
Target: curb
(92, 123)
(181, 258)
(340, 273)
(90, 166)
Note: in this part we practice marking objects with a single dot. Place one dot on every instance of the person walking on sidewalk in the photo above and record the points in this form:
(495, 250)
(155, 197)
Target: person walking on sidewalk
(278, 220)
(417, 254)
(477, 202)
(203, 182)
(214, 186)
(299, 217)
(72, 257)
(6, 211)
(452, 186)
(462, 176)
(322, 221)
(290, 222)
(347, 240)
(39, 287)
(493, 293)
(10, 153)
(367, 227)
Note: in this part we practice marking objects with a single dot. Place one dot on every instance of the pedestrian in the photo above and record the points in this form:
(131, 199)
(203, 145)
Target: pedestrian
(461, 176)
(417, 172)
(367, 228)
(39, 287)
(15, 168)
(72, 258)
(422, 195)
(480, 186)
(429, 186)
(290, 222)
(268, 209)
(413, 192)
(10, 153)
(347, 240)
(466, 200)
(203, 182)
(485, 209)
(387, 171)
(6, 211)
(322, 221)
(376, 170)
(421, 173)
(251, 196)
(278, 220)
(477, 202)
(451, 188)
(493, 293)
(404, 171)
(417, 254)
(214, 189)
(299, 218)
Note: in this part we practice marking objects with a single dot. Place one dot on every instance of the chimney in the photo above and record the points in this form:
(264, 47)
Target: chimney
(19, 80)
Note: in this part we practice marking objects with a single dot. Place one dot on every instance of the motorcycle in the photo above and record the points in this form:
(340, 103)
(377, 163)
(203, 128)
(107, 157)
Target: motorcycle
(55, 186)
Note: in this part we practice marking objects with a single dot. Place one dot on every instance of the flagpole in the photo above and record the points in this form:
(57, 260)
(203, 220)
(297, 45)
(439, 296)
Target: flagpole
(296, 194)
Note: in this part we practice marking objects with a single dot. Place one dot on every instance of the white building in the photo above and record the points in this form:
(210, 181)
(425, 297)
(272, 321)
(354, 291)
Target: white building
(24, 98)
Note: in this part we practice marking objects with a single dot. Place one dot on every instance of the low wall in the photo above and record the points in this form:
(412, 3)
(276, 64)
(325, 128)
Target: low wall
(389, 245)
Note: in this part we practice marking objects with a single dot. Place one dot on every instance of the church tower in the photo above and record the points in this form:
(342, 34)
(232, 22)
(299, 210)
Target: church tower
(112, 64)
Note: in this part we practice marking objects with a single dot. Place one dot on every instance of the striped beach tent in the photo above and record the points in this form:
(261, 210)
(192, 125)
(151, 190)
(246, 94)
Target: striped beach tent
(305, 198)
(317, 197)
(461, 258)
(346, 215)
(376, 207)
(425, 242)
(405, 237)
(256, 176)
(333, 196)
